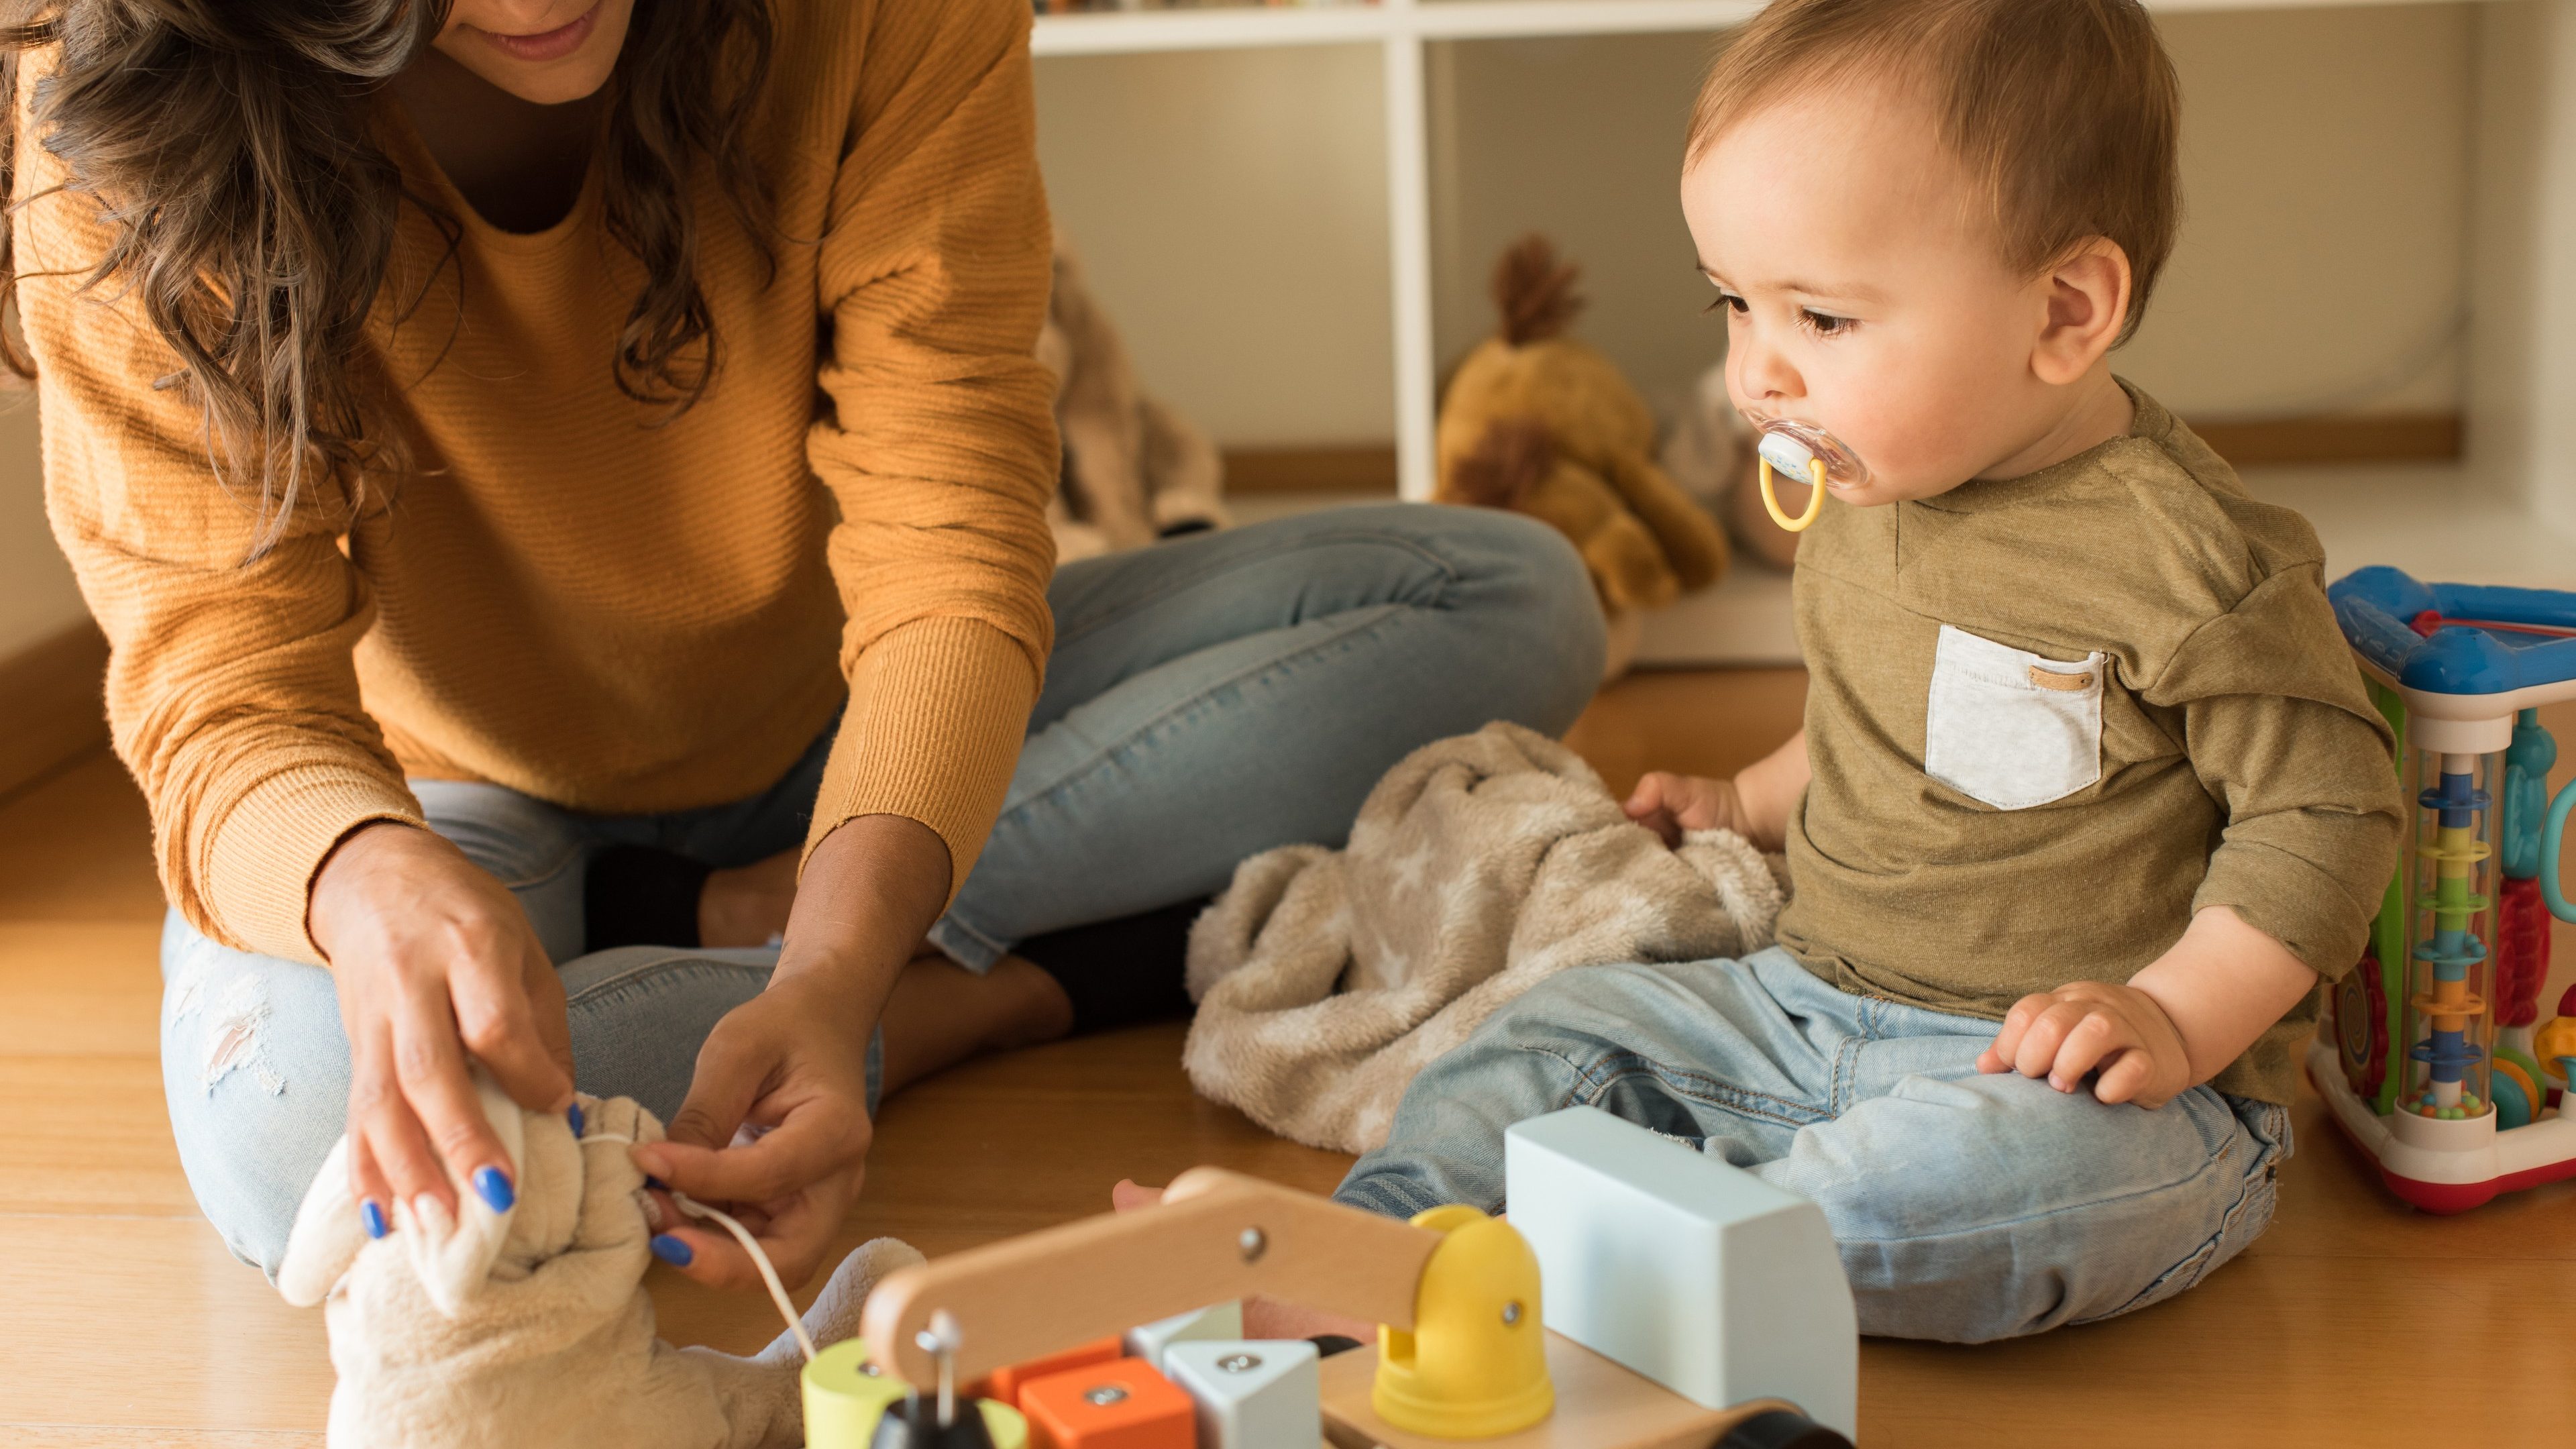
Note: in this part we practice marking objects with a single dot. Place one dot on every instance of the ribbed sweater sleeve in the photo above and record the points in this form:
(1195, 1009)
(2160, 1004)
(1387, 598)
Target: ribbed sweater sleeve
(231, 693)
(939, 441)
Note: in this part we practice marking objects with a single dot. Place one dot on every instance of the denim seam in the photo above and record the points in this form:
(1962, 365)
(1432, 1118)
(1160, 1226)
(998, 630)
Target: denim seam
(2193, 1266)
(651, 964)
(1381, 615)
(1596, 1081)
(1218, 568)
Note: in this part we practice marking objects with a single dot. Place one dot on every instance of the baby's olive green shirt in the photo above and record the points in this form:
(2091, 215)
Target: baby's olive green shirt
(2140, 706)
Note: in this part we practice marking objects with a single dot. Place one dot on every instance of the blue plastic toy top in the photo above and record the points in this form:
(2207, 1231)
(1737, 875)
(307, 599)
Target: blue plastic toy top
(2457, 638)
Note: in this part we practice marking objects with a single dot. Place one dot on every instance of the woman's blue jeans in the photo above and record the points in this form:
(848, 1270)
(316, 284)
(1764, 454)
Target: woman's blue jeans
(1208, 698)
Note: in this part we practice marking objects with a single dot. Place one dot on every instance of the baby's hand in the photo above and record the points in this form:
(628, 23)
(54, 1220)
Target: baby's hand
(1669, 804)
(2088, 1026)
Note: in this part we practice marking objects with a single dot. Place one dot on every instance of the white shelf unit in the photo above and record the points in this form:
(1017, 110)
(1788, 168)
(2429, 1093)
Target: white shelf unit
(2507, 514)
(1401, 28)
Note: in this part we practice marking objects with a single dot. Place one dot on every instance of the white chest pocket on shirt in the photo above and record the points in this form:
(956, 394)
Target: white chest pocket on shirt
(2010, 727)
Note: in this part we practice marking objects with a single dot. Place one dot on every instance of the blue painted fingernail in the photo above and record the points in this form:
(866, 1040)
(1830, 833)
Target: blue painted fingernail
(371, 1216)
(494, 1188)
(672, 1251)
(655, 1183)
(573, 1115)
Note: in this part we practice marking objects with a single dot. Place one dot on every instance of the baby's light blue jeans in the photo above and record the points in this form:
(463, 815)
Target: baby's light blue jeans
(1967, 1207)
(1208, 698)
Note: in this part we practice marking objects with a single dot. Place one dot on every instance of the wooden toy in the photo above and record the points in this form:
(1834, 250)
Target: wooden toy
(1122, 1404)
(1150, 1341)
(1674, 1264)
(943, 1421)
(1251, 1393)
(845, 1394)
(1457, 1295)
(2428, 1052)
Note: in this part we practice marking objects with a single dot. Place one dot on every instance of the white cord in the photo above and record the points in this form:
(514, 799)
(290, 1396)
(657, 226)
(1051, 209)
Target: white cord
(742, 1235)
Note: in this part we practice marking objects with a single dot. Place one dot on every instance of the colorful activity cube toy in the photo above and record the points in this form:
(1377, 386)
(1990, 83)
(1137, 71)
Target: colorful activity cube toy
(2431, 1054)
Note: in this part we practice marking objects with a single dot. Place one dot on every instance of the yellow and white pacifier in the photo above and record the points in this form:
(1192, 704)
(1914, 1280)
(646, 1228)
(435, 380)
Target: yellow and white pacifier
(1806, 451)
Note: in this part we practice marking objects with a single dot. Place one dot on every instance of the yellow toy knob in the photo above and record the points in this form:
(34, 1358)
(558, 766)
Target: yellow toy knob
(1475, 1364)
(2554, 1044)
(1815, 497)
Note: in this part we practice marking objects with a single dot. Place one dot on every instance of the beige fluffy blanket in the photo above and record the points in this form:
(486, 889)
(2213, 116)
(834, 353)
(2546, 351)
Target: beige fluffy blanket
(1480, 866)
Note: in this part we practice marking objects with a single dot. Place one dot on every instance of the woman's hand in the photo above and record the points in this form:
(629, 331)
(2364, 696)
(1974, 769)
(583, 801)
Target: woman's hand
(776, 1129)
(434, 959)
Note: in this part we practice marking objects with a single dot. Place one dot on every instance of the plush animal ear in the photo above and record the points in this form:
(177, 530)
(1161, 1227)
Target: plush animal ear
(326, 1237)
(453, 1256)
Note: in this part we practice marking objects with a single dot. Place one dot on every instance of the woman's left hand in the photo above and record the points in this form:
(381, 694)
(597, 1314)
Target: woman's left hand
(775, 1129)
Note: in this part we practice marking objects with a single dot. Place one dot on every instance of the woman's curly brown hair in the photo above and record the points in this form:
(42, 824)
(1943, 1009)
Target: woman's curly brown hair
(230, 146)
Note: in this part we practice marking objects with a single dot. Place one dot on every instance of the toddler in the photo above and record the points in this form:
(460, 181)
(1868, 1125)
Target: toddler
(2084, 752)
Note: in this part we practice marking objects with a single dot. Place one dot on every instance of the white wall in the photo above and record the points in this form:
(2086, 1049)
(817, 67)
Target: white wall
(1232, 208)
(2326, 187)
(36, 595)
(2522, 367)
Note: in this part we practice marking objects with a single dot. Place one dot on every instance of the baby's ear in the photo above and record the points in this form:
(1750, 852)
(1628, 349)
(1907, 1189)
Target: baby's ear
(326, 1237)
(454, 1257)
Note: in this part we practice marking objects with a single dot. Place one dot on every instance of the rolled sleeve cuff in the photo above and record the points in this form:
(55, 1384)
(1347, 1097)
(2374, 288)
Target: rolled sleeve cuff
(938, 709)
(2310, 910)
(262, 854)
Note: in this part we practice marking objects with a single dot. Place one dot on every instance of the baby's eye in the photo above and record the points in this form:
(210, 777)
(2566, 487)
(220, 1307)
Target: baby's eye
(1731, 303)
(1823, 324)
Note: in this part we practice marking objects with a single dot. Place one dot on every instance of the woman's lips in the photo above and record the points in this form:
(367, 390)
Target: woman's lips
(546, 45)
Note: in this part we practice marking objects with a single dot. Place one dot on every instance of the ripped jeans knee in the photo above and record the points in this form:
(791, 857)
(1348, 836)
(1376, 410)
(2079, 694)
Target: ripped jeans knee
(255, 1070)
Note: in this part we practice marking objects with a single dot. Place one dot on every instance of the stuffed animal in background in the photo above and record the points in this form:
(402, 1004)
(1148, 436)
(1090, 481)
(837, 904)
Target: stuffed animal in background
(1134, 470)
(532, 1327)
(1539, 423)
(1709, 452)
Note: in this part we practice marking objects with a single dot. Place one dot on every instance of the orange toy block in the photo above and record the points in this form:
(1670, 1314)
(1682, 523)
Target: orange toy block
(1005, 1383)
(1122, 1404)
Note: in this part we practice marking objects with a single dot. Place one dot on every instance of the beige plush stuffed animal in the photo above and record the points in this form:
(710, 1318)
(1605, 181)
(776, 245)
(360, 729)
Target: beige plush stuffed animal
(532, 1327)
(1537, 422)
(1134, 470)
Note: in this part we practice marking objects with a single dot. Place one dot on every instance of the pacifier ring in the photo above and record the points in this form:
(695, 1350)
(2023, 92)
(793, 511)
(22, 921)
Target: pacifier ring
(1815, 496)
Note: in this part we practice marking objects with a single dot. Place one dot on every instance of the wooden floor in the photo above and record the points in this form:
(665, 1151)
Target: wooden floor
(123, 1322)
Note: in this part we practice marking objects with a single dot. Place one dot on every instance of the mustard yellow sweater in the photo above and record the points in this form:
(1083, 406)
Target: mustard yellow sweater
(564, 598)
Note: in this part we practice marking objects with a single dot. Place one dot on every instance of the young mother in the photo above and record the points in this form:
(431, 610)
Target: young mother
(493, 431)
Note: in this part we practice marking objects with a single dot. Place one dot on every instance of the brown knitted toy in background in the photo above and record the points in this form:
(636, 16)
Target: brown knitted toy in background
(1537, 422)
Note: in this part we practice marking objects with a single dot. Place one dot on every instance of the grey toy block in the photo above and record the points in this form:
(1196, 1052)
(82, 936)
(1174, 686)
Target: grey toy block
(1220, 1320)
(1251, 1393)
(1699, 1275)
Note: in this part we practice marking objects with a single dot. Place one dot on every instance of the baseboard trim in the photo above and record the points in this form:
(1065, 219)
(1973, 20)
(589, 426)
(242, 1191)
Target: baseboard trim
(2340, 438)
(51, 704)
(2247, 443)
(1358, 468)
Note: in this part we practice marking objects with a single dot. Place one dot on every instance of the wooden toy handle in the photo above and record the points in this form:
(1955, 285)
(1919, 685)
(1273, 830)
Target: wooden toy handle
(1216, 1235)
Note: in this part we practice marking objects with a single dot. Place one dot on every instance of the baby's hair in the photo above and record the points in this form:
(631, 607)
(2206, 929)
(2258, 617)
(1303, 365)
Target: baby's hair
(2065, 112)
